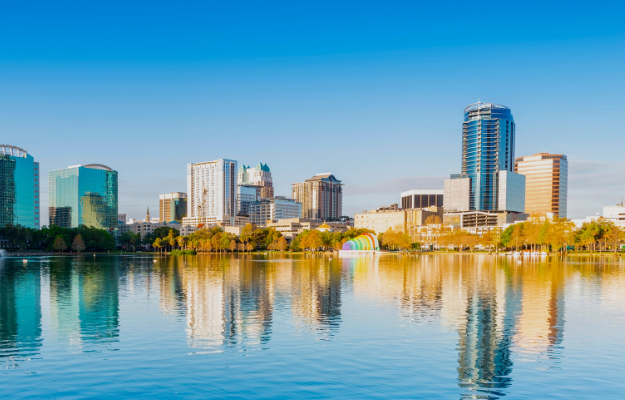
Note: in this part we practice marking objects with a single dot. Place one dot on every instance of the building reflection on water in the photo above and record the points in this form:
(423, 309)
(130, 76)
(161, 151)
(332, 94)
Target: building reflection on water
(20, 313)
(316, 296)
(230, 301)
(499, 310)
(84, 301)
(497, 307)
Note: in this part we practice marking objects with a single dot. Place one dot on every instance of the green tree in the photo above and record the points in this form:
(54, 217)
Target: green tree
(78, 244)
(246, 233)
(125, 238)
(59, 244)
(615, 236)
(136, 238)
(157, 244)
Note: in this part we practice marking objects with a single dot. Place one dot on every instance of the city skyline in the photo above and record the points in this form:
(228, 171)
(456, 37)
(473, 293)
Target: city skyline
(336, 92)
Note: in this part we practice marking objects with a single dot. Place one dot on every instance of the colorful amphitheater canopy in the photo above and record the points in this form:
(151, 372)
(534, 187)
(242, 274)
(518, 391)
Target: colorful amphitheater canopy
(366, 241)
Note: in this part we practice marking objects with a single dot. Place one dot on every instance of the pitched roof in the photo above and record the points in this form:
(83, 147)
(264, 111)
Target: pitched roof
(327, 177)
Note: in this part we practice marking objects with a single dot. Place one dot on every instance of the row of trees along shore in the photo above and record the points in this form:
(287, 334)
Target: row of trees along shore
(557, 235)
(536, 234)
(54, 238)
(252, 238)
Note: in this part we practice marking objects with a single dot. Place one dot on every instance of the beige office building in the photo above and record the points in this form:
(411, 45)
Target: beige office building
(381, 219)
(546, 183)
(172, 207)
(291, 227)
(321, 197)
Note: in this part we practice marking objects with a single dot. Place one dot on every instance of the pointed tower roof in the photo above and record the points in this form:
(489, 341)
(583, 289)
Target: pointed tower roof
(262, 167)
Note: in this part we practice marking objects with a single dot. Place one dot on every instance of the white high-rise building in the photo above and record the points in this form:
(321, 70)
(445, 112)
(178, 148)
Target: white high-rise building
(212, 192)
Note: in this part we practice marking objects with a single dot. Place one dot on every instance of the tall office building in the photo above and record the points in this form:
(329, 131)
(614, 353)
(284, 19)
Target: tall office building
(172, 207)
(84, 195)
(19, 183)
(211, 191)
(258, 176)
(321, 197)
(488, 136)
(546, 183)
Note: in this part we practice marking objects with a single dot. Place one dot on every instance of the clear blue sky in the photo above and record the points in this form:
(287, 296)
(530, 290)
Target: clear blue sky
(371, 91)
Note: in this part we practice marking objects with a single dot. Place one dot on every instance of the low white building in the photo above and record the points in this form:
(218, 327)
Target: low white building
(614, 213)
(212, 221)
(146, 227)
(274, 208)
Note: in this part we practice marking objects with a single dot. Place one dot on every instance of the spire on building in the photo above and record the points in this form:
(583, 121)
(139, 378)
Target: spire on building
(147, 217)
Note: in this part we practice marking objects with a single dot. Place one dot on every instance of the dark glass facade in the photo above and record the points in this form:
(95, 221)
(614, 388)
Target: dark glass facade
(84, 195)
(246, 196)
(421, 201)
(19, 184)
(61, 216)
(488, 135)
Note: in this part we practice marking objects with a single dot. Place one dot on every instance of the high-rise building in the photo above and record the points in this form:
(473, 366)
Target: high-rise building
(321, 197)
(19, 188)
(258, 176)
(273, 209)
(488, 136)
(121, 217)
(84, 195)
(211, 191)
(172, 207)
(546, 183)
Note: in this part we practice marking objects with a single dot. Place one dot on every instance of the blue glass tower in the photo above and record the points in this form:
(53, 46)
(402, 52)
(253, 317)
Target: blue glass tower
(84, 195)
(19, 187)
(487, 149)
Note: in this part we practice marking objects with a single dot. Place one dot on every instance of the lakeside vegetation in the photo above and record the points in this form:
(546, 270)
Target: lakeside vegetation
(557, 235)
(54, 238)
(252, 238)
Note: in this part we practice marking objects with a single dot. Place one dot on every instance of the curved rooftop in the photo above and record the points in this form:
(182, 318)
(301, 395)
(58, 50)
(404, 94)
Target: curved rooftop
(479, 105)
(98, 166)
(8, 150)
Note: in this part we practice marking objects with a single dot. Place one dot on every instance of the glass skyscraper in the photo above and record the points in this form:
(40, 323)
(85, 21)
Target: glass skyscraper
(84, 195)
(488, 134)
(19, 187)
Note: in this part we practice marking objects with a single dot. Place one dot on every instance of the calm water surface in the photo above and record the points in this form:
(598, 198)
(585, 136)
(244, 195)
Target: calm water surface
(433, 326)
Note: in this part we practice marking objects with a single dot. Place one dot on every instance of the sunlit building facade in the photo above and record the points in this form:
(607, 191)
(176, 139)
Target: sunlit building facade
(273, 209)
(172, 207)
(546, 183)
(19, 183)
(84, 195)
(488, 134)
(211, 191)
(488, 137)
(258, 176)
(321, 197)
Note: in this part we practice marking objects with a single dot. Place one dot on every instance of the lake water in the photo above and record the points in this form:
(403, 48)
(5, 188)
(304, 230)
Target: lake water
(280, 326)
